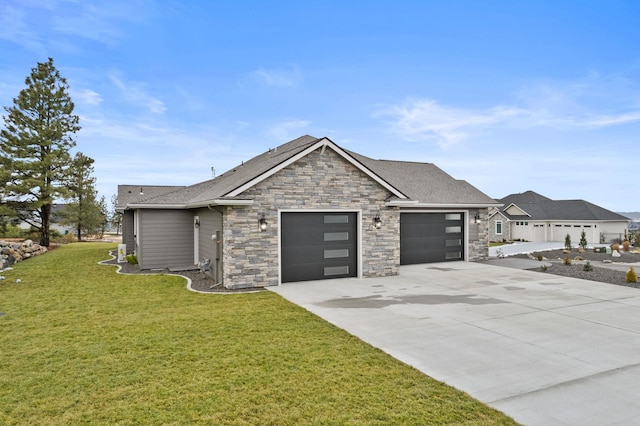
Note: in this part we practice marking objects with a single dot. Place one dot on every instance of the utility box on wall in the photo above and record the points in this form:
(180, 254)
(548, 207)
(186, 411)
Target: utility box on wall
(122, 253)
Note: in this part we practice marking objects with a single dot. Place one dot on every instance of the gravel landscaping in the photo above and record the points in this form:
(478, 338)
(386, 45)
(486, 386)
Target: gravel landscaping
(606, 268)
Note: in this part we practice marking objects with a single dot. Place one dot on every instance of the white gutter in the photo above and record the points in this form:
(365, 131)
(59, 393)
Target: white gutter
(398, 203)
(216, 202)
(227, 202)
(157, 206)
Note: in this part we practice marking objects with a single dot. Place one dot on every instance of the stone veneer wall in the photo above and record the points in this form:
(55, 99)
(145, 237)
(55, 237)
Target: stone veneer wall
(319, 181)
(478, 236)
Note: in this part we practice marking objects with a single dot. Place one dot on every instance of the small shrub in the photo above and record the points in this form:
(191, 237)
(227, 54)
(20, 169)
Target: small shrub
(615, 246)
(540, 257)
(132, 259)
(626, 245)
(566, 260)
(65, 239)
(583, 241)
(631, 276)
(11, 231)
(587, 267)
(567, 242)
(544, 268)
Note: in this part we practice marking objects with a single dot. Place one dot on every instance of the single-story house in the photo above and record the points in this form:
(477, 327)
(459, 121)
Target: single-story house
(55, 222)
(530, 216)
(307, 210)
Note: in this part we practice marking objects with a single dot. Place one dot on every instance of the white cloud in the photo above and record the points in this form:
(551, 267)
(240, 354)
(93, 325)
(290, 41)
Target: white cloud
(593, 102)
(287, 130)
(14, 28)
(87, 96)
(137, 94)
(277, 78)
(611, 120)
(425, 119)
(46, 25)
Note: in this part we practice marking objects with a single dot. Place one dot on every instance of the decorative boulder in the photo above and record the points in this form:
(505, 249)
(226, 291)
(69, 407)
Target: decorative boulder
(615, 253)
(11, 252)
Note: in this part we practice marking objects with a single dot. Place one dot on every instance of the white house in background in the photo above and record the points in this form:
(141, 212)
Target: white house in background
(55, 225)
(533, 217)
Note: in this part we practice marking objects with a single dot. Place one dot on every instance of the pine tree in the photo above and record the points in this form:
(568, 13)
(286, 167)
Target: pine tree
(583, 240)
(84, 211)
(115, 218)
(34, 147)
(567, 242)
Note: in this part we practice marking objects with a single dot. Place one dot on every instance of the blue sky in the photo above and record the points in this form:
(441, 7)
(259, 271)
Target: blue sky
(508, 95)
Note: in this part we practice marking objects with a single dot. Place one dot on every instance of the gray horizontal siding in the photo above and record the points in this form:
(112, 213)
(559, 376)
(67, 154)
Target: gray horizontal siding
(128, 236)
(165, 238)
(210, 222)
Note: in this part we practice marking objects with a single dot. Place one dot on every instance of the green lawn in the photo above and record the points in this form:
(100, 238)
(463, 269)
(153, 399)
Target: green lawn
(81, 344)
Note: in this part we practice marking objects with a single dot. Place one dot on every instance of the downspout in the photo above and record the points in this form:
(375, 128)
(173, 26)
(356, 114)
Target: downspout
(217, 241)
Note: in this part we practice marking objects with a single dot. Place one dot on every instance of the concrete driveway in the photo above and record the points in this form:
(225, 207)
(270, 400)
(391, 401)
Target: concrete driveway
(544, 349)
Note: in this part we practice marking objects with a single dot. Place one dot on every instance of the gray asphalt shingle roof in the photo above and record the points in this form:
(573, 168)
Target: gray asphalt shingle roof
(128, 194)
(540, 207)
(422, 182)
(425, 182)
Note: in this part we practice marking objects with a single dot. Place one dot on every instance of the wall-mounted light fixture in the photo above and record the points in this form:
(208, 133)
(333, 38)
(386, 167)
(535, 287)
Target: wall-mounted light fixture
(477, 218)
(262, 222)
(196, 221)
(377, 221)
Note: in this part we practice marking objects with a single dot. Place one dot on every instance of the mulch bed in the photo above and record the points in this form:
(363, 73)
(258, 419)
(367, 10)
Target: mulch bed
(200, 282)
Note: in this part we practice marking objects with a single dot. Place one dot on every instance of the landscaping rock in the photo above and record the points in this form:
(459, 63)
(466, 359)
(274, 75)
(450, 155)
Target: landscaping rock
(615, 253)
(14, 252)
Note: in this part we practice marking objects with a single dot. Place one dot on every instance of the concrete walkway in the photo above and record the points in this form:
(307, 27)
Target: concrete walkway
(544, 349)
(522, 248)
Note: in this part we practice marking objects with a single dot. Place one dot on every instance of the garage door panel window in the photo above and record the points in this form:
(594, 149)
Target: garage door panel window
(334, 254)
(335, 218)
(453, 229)
(336, 270)
(453, 216)
(336, 236)
(454, 255)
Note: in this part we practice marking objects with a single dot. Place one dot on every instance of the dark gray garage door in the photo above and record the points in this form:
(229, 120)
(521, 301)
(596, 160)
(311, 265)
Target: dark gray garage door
(431, 237)
(317, 246)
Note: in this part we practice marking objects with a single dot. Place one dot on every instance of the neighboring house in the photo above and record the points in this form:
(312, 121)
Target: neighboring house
(532, 217)
(54, 225)
(308, 210)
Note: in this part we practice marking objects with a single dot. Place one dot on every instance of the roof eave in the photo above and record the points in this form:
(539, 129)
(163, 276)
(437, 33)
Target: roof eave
(135, 206)
(403, 203)
(216, 202)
